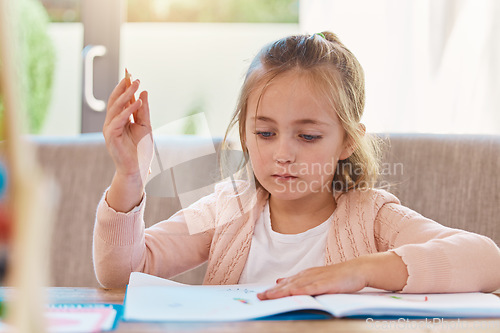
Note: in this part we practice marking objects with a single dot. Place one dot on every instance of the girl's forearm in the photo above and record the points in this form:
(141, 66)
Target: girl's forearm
(125, 193)
(384, 270)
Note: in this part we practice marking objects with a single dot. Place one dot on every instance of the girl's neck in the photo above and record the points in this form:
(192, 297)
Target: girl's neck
(296, 216)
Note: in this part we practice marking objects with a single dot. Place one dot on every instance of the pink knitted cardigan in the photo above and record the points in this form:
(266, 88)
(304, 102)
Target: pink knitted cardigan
(219, 228)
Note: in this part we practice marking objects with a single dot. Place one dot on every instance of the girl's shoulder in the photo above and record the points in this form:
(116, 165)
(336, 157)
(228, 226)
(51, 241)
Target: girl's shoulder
(374, 203)
(366, 198)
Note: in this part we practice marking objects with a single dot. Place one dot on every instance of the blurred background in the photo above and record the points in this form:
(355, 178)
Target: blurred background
(431, 66)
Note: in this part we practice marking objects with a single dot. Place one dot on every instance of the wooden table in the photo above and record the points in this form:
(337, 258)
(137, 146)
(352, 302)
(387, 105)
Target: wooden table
(97, 295)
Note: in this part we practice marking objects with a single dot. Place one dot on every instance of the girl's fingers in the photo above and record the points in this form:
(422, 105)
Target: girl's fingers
(265, 294)
(274, 293)
(118, 123)
(142, 116)
(277, 291)
(119, 89)
(291, 289)
(312, 281)
(121, 102)
(125, 98)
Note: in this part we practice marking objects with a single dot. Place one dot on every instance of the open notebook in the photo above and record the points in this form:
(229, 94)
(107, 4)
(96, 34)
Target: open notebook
(150, 298)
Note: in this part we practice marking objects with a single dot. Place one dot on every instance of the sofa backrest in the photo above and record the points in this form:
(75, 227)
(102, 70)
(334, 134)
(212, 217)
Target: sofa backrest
(451, 179)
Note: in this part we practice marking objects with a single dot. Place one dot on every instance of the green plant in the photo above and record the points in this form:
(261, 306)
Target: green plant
(37, 62)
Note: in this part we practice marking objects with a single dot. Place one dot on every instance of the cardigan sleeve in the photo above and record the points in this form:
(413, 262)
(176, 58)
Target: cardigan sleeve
(122, 245)
(438, 258)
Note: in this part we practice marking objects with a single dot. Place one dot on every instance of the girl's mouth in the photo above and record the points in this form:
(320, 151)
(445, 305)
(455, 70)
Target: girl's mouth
(285, 177)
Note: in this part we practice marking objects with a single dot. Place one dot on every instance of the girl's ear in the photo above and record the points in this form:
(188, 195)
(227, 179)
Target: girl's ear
(350, 145)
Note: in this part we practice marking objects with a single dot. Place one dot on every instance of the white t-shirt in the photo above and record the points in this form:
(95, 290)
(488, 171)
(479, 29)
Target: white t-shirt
(273, 255)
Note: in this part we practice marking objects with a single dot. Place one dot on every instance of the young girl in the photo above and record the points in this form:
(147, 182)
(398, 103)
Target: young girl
(314, 223)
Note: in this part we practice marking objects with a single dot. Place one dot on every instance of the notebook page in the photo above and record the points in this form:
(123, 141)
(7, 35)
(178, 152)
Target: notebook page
(464, 305)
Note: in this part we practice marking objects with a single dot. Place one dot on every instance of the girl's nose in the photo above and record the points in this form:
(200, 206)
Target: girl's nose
(284, 152)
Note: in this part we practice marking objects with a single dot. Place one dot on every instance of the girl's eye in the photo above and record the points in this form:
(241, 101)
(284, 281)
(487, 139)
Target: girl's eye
(310, 138)
(264, 135)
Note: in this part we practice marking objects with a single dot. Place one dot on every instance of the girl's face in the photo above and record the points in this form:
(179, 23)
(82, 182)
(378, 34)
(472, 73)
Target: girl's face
(294, 138)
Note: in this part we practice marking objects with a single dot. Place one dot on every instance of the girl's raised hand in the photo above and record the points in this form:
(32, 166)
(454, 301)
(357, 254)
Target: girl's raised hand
(128, 133)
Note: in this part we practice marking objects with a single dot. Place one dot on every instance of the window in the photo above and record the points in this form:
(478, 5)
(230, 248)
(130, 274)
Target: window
(190, 55)
(214, 11)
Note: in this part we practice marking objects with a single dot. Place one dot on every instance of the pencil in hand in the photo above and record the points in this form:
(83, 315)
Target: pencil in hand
(128, 82)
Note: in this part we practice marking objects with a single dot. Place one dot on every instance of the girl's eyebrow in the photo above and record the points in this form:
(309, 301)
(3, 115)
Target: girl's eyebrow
(299, 121)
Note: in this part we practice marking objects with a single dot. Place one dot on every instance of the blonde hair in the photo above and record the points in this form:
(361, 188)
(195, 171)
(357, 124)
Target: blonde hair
(337, 75)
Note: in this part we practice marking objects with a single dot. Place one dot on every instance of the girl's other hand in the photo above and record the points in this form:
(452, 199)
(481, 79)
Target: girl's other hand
(339, 278)
(384, 270)
(127, 131)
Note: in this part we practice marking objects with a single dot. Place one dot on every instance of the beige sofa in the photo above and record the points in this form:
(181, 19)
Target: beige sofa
(452, 179)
